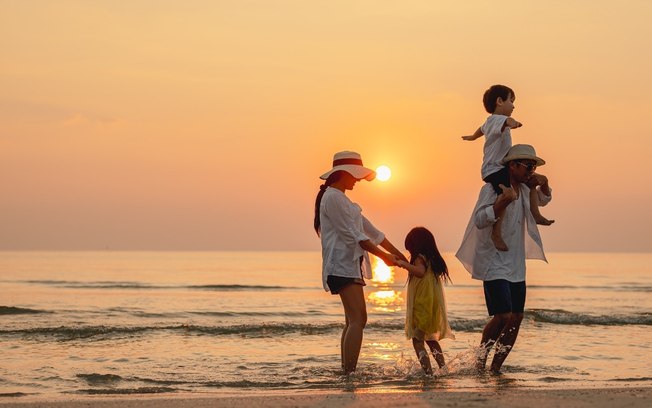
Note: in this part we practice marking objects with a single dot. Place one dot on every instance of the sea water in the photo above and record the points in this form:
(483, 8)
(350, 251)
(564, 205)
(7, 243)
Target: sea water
(241, 322)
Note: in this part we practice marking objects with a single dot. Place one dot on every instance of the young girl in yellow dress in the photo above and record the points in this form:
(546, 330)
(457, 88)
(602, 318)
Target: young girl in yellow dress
(426, 319)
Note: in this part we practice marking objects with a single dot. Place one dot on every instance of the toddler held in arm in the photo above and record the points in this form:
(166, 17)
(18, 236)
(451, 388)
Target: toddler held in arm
(498, 100)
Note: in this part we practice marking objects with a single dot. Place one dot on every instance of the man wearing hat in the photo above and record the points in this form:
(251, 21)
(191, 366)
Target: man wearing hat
(503, 272)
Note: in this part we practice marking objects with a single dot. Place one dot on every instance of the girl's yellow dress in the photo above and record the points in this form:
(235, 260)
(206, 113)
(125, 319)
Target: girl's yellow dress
(426, 317)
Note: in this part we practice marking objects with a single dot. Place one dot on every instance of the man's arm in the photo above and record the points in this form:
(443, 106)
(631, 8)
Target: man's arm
(489, 205)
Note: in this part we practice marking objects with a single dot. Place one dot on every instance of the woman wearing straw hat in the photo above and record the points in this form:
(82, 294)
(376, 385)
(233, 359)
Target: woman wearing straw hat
(346, 239)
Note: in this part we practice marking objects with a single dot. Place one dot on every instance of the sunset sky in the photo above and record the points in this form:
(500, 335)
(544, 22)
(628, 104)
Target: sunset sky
(204, 125)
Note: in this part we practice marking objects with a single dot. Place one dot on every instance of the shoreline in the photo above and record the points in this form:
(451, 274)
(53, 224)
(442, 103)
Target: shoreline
(506, 397)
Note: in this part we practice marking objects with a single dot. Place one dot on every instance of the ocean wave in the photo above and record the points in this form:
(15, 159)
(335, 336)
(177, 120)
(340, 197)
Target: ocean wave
(125, 391)
(273, 329)
(147, 286)
(623, 287)
(571, 318)
(611, 288)
(97, 379)
(462, 325)
(12, 394)
(66, 333)
(11, 310)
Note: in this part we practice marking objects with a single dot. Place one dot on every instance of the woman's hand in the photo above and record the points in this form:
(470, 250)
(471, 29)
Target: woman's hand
(390, 260)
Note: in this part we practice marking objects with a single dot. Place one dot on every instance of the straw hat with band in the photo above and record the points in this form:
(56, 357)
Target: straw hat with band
(351, 162)
(522, 152)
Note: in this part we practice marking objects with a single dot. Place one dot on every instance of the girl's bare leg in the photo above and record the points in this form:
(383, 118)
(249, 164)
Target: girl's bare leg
(355, 310)
(422, 355)
(435, 348)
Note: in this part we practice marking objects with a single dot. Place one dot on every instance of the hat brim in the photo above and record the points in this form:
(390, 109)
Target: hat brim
(359, 172)
(507, 159)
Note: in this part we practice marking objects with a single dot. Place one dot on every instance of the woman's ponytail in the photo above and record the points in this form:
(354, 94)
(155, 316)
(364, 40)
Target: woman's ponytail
(331, 179)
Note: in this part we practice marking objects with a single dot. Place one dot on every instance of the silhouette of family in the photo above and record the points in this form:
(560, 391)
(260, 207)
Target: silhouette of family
(501, 233)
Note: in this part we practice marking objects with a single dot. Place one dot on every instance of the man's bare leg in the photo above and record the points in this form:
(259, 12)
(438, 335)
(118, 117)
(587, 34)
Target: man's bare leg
(490, 335)
(506, 341)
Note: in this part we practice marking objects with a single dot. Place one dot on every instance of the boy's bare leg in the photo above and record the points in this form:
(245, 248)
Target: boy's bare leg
(435, 348)
(497, 235)
(422, 355)
(534, 209)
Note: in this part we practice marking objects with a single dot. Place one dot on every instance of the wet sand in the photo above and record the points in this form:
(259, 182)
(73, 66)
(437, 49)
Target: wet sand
(612, 397)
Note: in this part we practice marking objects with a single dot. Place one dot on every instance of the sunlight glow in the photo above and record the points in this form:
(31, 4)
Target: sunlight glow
(383, 173)
(386, 300)
(382, 273)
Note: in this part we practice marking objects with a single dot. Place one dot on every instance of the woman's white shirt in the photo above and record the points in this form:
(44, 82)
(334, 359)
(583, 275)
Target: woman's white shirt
(343, 227)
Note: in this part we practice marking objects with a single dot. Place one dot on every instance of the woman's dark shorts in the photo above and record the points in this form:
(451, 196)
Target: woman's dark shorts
(336, 283)
(503, 296)
(497, 178)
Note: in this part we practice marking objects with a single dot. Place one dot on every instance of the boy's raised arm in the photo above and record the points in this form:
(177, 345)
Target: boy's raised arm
(478, 133)
(511, 123)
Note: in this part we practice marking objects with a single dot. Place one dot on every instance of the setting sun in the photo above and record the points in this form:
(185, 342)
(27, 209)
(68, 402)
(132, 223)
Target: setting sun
(383, 173)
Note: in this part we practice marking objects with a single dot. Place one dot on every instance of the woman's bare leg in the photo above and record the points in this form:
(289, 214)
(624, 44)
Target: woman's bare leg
(355, 310)
(346, 327)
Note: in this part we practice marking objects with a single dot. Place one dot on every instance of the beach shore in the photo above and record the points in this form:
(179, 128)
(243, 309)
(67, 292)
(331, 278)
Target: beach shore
(513, 397)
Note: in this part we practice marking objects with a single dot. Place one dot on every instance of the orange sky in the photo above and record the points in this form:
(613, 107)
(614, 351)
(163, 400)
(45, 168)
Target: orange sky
(205, 124)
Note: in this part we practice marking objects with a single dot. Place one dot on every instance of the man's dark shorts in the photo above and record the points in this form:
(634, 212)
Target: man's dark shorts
(503, 296)
(498, 178)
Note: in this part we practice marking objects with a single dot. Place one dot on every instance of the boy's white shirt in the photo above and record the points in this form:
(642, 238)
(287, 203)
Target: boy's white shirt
(496, 145)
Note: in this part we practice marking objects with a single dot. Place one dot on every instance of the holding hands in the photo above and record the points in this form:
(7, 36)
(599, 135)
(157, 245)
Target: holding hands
(402, 264)
(389, 259)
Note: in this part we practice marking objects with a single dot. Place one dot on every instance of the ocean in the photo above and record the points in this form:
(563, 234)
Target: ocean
(106, 323)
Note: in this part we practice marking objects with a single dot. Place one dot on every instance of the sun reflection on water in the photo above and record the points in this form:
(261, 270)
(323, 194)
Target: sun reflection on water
(383, 298)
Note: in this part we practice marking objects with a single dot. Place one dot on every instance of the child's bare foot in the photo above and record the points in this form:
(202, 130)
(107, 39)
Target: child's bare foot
(498, 242)
(541, 220)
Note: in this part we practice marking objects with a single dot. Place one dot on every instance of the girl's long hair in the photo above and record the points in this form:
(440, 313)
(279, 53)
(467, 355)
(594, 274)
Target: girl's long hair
(330, 180)
(420, 241)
